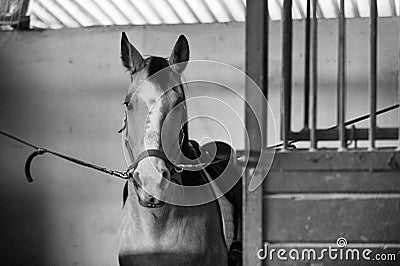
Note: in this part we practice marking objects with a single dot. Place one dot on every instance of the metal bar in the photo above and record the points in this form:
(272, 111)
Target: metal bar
(286, 87)
(373, 72)
(24, 7)
(314, 84)
(314, 196)
(265, 45)
(256, 38)
(24, 19)
(355, 134)
(341, 84)
(307, 67)
(398, 80)
(349, 122)
(363, 117)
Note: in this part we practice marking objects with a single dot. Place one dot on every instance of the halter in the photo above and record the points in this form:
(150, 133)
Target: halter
(153, 153)
(176, 167)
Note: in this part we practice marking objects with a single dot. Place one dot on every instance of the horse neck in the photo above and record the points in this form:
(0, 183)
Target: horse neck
(151, 222)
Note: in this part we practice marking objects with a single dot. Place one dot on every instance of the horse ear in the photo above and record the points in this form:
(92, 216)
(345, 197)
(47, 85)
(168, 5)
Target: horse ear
(179, 55)
(131, 58)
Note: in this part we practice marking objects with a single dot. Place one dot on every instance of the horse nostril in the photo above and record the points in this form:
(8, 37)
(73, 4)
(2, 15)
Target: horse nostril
(136, 178)
(165, 178)
(165, 174)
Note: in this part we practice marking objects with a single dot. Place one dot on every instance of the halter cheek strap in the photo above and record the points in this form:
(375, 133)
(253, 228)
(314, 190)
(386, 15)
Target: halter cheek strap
(133, 162)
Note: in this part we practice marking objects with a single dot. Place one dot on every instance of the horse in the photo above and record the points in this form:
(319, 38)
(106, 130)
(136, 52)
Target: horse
(153, 231)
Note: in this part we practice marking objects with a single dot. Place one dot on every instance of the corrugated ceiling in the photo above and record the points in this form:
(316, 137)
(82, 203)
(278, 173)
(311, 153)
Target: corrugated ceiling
(55, 14)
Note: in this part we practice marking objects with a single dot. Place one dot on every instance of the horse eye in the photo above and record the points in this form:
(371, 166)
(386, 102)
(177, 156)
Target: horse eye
(126, 103)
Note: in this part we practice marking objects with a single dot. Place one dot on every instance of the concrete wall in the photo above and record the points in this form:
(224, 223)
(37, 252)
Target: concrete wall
(64, 89)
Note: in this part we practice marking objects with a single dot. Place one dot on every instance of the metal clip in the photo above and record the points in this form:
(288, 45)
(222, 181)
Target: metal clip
(178, 169)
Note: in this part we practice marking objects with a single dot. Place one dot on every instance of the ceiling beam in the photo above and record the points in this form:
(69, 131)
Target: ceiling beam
(173, 10)
(209, 10)
(87, 12)
(226, 9)
(392, 7)
(354, 6)
(49, 19)
(191, 10)
(194, 5)
(135, 7)
(156, 12)
(146, 11)
(300, 8)
(62, 6)
(184, 11)
(96, 4)
(120, 12)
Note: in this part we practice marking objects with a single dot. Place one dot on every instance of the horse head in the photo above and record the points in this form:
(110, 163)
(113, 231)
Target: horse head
(155, 118)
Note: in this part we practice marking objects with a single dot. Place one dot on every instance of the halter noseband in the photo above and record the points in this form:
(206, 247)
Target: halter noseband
(176, 168)
(154, 153)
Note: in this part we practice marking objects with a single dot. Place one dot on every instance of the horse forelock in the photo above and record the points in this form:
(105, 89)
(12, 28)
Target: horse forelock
(155, 71)
(155, 64)
(155, 84)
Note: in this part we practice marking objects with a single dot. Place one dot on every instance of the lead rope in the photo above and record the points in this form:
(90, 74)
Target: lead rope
(126, 175)
(40, 151)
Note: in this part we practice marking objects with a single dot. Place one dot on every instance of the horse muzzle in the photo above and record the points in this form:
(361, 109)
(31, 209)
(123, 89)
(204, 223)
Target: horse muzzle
(148, 201)
(151, 204)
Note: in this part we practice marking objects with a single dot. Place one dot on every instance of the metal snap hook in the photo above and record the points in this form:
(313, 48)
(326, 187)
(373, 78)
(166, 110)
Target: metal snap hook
(178, 169)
